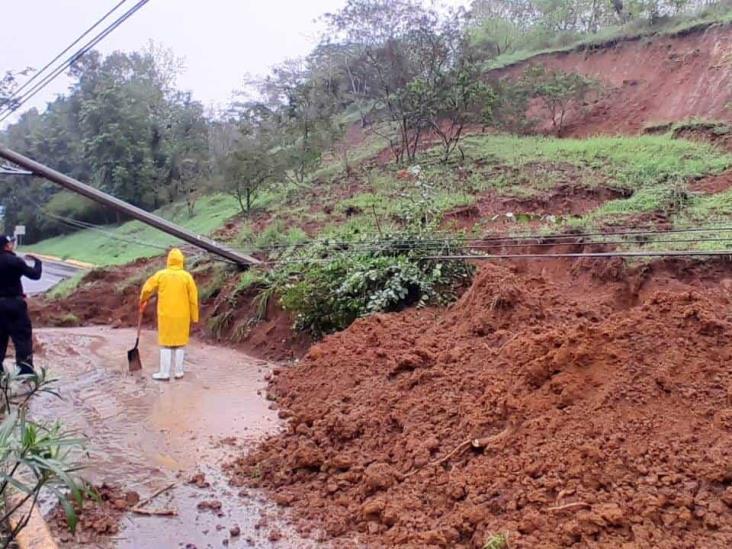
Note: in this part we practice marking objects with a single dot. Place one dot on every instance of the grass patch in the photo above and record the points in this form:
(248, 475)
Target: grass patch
(66, 287)
(116, 245)
(496, 541)
(628, 162)
(676, 129)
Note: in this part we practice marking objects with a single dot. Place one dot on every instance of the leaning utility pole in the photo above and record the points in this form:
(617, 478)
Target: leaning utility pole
(123, 207)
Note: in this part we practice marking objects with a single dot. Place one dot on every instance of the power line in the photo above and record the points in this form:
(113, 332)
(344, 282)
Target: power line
(78, 224)
(89, 226)
(71, 60)
(17, 92)
(526, 247)
(499, 239)
(662, 253)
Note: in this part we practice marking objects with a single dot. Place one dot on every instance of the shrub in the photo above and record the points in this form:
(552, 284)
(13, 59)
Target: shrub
(335, 285)
(558, 91)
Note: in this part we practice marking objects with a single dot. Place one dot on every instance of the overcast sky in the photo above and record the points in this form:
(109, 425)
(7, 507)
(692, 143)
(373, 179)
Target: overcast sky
(220, 40)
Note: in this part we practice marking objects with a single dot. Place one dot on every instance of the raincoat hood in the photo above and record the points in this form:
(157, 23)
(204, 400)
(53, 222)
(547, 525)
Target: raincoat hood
(176, 259)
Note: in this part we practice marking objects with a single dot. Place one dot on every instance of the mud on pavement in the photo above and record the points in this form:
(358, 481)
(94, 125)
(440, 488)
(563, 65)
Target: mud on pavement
(582, 404)
(144, 436)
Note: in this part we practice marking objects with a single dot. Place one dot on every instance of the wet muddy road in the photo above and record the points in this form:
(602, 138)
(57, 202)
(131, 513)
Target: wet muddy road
(145, 435)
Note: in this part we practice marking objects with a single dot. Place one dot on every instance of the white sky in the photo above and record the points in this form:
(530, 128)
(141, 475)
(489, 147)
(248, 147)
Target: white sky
(220, 40)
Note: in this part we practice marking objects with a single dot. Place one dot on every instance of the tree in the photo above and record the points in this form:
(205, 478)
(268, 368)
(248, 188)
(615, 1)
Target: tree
(456, 101)
(185, 153)
(253, 161)
(451, 94)
(7, 87)
(390, 44)
(558, 91)
(123, 128)
(301, 103)
(120, 104)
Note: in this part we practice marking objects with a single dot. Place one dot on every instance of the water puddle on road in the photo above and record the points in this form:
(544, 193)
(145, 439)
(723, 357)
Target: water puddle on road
(145, 435)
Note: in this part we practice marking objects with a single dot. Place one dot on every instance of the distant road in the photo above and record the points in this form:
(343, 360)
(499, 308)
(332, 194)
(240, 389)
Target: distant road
(53, 273)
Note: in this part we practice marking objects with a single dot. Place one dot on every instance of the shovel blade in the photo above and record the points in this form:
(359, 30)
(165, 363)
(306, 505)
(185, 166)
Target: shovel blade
(133, 359)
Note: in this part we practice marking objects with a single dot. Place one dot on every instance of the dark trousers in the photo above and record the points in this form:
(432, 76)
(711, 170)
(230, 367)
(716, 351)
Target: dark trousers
(15, 324)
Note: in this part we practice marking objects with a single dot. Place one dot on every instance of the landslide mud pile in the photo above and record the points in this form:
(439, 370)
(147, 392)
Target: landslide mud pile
(561, 405)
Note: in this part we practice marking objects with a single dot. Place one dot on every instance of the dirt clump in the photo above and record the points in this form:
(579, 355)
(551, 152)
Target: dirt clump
(562, 403)
(98, 516)
(199, 481)
(713, 184)
(213, 505)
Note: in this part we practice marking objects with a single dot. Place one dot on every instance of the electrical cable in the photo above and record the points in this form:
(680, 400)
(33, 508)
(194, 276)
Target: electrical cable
(398, 245)
(73, 58)
(496, 239)
(659, 253)
(37, 74)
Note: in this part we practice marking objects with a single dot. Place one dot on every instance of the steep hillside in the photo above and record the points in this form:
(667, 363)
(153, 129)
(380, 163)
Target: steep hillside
(650, 81)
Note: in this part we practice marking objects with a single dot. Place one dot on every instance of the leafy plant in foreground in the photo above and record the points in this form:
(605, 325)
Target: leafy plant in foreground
(34, 458)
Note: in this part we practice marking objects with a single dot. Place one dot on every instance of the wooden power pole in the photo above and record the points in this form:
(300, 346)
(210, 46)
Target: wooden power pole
(123, 207)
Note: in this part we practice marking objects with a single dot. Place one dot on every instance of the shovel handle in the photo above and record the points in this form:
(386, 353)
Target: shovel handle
(139, 322)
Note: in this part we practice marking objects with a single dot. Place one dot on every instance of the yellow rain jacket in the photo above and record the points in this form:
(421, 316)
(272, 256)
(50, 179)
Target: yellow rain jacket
(177, 301)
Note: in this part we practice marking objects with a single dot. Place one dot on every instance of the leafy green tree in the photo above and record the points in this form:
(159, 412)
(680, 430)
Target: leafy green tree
(390, 44)
(185, 155)
(7, 87)
(120, 105)
(558, 91)
(122, 128)
(253, 161)
(301, 104)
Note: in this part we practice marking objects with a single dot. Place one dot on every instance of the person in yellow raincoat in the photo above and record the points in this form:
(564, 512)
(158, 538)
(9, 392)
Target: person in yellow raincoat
(177, 309)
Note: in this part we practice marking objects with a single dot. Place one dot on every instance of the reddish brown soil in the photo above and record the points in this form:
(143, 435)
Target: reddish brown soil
(713, 184)
(648, 82)
(99, 516)
(718, 134)
(566, 200)
(600, 397)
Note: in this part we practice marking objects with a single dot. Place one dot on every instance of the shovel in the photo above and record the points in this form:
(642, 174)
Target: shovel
(133, 355)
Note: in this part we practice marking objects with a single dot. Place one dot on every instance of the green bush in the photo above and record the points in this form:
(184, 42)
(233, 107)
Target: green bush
(330, 289)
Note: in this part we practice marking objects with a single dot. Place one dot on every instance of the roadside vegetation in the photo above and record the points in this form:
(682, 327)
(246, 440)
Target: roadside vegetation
(35, 459)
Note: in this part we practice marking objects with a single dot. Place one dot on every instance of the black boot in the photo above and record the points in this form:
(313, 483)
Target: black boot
(25, 368)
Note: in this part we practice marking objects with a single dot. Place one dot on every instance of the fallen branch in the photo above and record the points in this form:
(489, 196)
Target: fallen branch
(156, 494)
(506, 343)
(462, 446)
(570, 506)
(478, 443)
(155, 512)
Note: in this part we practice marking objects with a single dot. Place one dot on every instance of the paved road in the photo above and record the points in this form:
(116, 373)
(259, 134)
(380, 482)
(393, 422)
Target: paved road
(53, 273)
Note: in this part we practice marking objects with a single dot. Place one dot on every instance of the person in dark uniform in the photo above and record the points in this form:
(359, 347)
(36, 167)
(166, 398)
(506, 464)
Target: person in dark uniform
(15, 323)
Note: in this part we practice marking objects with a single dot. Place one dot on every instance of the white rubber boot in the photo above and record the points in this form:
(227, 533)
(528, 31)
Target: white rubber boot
(166, 358)
(180, 356)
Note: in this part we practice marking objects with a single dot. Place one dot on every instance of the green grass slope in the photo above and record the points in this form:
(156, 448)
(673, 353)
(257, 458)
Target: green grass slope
(655, 170)
(116, 245)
